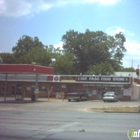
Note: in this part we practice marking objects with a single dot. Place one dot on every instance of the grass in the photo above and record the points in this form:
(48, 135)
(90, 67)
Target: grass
(117, 109)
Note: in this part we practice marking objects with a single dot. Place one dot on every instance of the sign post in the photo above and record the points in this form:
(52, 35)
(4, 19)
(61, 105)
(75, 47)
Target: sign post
(139, 99)
(139, 86)
(5, 87)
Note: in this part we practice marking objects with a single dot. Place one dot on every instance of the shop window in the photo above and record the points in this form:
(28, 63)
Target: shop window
(58, 89)
(28, 88)
(42, 89)
(13, 90)
(3, 88)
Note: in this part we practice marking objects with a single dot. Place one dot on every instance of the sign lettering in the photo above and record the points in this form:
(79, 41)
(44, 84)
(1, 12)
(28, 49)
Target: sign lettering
(103, 79)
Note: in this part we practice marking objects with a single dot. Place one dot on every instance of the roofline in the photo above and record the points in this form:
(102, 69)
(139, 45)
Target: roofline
(28, 65)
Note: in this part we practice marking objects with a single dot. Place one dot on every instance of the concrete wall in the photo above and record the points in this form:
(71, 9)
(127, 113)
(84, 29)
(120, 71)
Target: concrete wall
(135, 93)
(131, 74)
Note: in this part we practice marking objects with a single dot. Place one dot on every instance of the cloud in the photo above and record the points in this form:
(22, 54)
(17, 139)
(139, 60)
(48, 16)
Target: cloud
(114, 30)
(132, 54)
(12, 8)
(104, 2)
(59, 45)
(17, 8)
(132, 47)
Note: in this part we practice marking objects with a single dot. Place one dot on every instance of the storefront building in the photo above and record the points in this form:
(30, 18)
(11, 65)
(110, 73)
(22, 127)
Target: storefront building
(94, 86)
(49, 84)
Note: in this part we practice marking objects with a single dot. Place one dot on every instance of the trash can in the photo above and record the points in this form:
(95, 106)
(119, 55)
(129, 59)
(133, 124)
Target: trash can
(33, 97)
(34, 94)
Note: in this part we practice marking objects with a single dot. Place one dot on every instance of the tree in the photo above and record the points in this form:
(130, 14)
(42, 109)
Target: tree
(92, 48)
(128, 69)
(117, 46)
(63, 64)
(24, 45)
(8, 58)
(38, 55)
(103, 68)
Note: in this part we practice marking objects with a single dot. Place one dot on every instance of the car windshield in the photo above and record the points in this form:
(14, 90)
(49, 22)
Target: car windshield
(107, 94)
(79, 91)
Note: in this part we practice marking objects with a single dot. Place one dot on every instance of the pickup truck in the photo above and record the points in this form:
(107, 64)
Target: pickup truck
(77, 96)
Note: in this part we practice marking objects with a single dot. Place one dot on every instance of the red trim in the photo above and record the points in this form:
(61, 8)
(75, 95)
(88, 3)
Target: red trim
(25, 68)
(49, 78)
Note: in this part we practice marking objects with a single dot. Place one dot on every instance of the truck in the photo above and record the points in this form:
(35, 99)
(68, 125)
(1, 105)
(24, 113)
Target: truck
(77, 96)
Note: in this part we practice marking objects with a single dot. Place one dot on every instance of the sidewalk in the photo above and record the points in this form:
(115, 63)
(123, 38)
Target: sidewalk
(26, 100)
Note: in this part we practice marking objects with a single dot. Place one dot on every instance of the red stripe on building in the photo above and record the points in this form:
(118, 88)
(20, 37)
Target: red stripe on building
(25, 68)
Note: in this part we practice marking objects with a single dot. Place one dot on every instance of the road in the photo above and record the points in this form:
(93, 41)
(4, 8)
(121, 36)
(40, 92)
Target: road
(62, 120)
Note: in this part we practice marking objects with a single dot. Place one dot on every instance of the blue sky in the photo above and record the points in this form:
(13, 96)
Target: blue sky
(50, 19)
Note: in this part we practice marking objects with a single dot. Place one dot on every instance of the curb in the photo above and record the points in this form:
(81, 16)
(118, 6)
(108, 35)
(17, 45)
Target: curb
(132, 109)
(121, 112)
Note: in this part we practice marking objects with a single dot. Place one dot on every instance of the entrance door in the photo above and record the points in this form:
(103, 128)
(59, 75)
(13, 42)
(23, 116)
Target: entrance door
(100, 92)
(13, 90)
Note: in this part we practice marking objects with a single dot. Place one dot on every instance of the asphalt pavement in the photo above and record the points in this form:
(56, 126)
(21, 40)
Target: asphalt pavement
(63, 120)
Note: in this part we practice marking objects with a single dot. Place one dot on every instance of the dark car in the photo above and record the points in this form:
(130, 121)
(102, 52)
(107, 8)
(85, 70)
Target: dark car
(110, 96)
(77, 96)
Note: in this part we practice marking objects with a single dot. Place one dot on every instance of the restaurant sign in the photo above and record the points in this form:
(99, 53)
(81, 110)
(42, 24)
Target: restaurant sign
(103, 79)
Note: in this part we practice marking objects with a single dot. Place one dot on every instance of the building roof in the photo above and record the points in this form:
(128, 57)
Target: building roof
(25, 68)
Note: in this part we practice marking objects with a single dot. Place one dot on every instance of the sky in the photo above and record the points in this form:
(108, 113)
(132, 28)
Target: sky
(49, 20)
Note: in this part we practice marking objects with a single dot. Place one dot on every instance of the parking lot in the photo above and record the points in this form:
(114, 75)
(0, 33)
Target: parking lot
(59, 104)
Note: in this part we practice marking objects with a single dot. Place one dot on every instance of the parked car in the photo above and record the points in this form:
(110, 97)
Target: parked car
(77, 96)
(110, 96)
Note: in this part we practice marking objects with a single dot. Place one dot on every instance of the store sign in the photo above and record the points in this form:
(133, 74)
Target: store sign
(127, 92)
(56, 78)
(103, 79)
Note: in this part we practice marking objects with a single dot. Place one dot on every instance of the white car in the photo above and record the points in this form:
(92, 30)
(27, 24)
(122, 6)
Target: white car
(110, 96)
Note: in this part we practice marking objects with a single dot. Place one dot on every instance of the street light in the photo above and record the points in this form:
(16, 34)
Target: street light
(139, 86)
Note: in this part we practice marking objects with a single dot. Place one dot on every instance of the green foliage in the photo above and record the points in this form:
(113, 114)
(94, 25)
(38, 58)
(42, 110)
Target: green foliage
(38, 55)
(87, 53)
(128, 69)
(63, 64)
(91, 48)
(103, 68)
(8, 58)
(117, 46)
(24, 45)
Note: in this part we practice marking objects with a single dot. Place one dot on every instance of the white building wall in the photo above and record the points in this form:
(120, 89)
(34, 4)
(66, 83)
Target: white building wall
(135, 93)
(131, 74)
